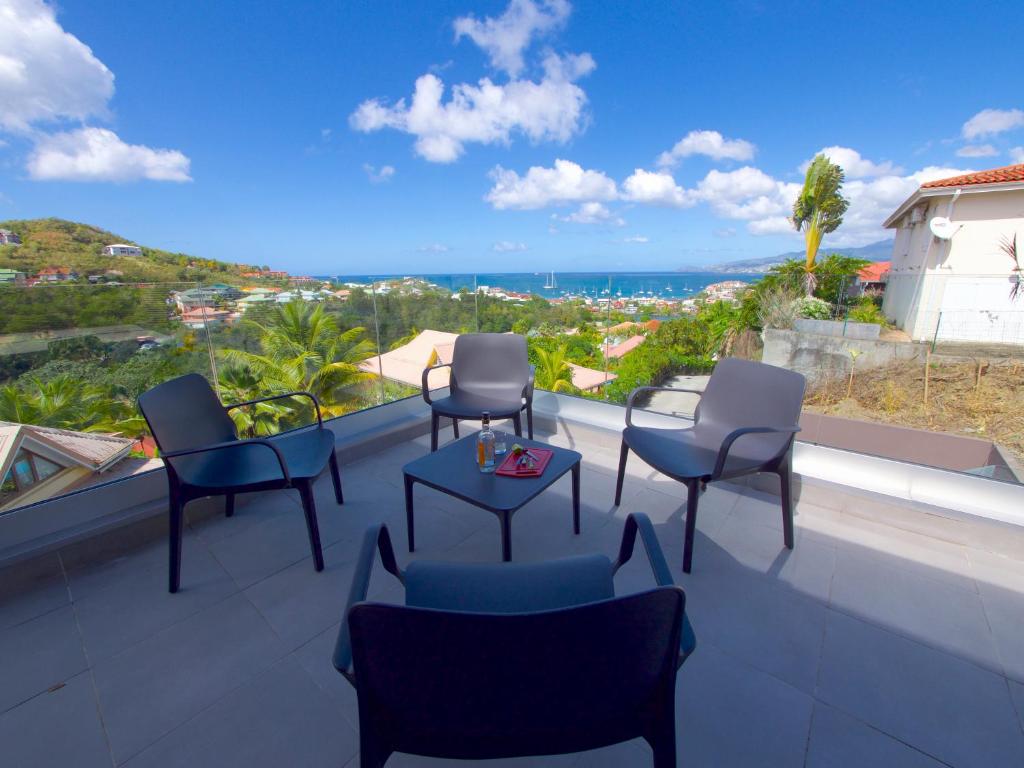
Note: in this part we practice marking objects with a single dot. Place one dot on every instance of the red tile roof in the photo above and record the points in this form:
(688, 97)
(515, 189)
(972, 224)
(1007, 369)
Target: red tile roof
(872, 273)
(1009, 173)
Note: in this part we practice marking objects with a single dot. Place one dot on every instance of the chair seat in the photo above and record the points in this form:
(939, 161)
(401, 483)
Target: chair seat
(684, 453)
(305, 453)
(509, 587)
(471, 405)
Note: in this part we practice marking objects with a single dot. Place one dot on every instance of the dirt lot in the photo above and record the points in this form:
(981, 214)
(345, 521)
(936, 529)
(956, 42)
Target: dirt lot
(982, 399)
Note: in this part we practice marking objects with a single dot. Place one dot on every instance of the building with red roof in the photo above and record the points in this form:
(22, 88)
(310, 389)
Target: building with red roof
(952, 270)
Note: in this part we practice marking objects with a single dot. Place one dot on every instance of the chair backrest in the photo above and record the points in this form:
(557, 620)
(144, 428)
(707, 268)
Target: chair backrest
(744, 393)
(185, 413)
(479, 686)
(491, 364)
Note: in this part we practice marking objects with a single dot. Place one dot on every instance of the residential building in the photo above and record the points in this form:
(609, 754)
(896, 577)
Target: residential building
(37, 463)
(958, 288)
(405, 364)
(589, 379)
(204, 317)
(56, 275)
(623, 348)
(871, 279)
(9, 238)
(11, 277)
(120, 249)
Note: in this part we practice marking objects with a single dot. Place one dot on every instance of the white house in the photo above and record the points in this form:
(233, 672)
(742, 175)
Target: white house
(120, 249)
(958, 288)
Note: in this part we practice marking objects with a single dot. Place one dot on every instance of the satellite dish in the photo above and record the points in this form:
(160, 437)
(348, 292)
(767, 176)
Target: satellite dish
(942, 227)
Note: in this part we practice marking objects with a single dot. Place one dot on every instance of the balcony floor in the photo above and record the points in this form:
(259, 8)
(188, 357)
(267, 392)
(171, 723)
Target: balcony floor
(869, 644)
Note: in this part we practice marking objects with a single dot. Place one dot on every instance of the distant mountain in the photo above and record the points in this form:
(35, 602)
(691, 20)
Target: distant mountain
(880, 251)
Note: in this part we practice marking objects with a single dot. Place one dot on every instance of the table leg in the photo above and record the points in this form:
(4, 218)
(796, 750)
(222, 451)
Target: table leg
(409, 526)
(576, 498)
(506, 536)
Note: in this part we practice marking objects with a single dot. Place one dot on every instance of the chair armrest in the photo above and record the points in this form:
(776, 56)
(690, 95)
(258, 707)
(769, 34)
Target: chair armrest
(235, 444)
(528, 389)
(732, 437)
(426, 375)
(375, 539)
(639, 522)
(639, 390)
(310, 395)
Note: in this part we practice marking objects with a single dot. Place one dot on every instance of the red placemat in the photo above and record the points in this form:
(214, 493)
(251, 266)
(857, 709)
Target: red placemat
(508, 466)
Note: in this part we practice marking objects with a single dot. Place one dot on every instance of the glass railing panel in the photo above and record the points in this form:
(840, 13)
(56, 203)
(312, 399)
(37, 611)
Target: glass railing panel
(73, 360)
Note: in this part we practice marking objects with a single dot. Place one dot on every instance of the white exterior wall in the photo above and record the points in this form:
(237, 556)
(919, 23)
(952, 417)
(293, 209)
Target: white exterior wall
(966, 278)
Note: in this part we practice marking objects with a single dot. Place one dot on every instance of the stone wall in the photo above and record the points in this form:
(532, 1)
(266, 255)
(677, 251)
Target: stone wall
(816, 356)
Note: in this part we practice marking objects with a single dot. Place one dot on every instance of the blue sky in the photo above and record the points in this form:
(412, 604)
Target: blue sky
(273, 134)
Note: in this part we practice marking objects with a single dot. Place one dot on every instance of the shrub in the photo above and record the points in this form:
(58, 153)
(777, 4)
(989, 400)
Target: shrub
(866, 311)
(777, 308)
(813, 308)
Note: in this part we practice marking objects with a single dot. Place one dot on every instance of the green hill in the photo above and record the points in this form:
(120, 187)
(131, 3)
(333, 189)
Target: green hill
(60, 243)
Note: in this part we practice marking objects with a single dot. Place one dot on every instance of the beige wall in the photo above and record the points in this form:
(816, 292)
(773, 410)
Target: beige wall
(967, 278)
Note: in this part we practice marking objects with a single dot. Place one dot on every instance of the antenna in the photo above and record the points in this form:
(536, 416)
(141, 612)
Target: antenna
(943, 228)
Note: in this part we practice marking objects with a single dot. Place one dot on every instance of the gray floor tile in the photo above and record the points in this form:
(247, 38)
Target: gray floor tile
(38, 654)
(1017, 693)
(280, 718)
(315, 657)
(943, 706)
(730, 714)
(137, 605)
(160, 683)
(58, 728)
(903, 601)
(840, 741)
(263, 549)
(31, 589)
(1000, 583)
(776, 630)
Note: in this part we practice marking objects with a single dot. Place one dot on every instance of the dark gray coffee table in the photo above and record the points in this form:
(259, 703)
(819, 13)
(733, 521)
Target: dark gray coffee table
(453, 470)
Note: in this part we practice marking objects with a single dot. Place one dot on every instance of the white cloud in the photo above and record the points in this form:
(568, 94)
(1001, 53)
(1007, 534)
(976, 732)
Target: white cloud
(46, 74)
(709, 143)
(379, 175)
(1016, 154)
(434, 248)
(853, 164)
(506, 246)
(566, 182)
(990, 122)
(97, 154)
(656, 188)
(551, 109)
(773, 225)
(977, 150)
(593, 213)
(746, 193)
(638, 239)
(506, 37)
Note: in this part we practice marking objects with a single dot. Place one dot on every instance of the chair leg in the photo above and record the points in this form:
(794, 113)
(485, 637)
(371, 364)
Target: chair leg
(336, 478)
(517, 422)
(176, 513)
(229, 505)
(663, 743)
(455, 428)
(434, 419)
(529, 420)
(692, 498)
(623, 455)
(786, 479)
(305, 490)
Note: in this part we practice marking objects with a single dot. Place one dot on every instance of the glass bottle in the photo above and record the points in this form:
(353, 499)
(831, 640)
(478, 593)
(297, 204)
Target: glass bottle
(485, 445)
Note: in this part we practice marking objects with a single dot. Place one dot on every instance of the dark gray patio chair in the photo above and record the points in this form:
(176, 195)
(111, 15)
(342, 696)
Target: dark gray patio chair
(489, 372)
(745, 422)
(513, 659)
(204, 457)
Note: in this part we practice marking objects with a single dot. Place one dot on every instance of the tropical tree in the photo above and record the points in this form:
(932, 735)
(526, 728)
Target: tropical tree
(553, 372)
(303, 349)
(66, 402)
(818, 210)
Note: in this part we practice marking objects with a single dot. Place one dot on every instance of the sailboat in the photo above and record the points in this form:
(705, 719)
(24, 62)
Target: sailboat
(551, 285)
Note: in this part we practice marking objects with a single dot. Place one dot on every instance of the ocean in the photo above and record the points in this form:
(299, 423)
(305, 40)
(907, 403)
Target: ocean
(666, 285)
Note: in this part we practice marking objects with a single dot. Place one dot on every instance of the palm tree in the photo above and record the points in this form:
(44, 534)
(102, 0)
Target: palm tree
(553, 371)
(818, 210)
(303, 349)
(67, 402)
